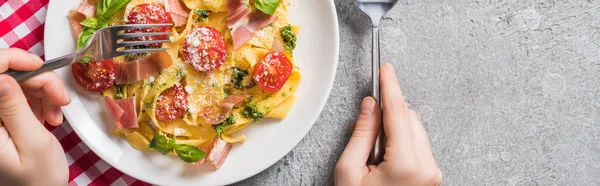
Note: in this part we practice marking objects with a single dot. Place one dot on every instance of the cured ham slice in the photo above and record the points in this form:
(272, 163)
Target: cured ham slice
(87, 8)
(244, 23)
(226, 108)
(178, 14)
(142, 68)
(75, 18)
(123, 112)
(219, 152)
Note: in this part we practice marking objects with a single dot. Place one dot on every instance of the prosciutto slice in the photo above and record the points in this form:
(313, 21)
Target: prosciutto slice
(123, 112)
(226, 108)
(75, 18)
(219, 152)
(244, 23)
(87, 8)
(142, 68)
(178, 14)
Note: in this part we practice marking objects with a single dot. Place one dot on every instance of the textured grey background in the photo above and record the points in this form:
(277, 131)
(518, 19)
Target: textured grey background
(507, 89)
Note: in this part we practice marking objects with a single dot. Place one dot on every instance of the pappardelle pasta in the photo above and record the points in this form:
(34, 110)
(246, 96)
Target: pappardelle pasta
(229, 64)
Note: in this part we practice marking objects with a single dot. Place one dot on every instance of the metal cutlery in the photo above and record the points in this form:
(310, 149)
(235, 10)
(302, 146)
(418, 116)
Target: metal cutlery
(376, 9)
(106, 43)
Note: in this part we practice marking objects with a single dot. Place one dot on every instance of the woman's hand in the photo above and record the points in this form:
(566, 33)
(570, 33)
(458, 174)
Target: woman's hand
(30, 155)
(408, 159)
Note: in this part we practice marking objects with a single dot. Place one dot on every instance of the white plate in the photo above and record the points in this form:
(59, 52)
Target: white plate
(268, 141)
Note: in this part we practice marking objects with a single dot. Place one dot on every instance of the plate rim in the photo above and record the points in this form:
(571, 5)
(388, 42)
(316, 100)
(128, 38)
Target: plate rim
(336, 33)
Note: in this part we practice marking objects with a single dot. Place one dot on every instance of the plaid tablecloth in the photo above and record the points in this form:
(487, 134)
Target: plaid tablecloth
(22, 26)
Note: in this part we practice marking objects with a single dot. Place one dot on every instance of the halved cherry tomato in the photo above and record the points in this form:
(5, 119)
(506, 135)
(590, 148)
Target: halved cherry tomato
(272, 71)
(205, 48)
(95, 76)
(149, 14)
(171, 103)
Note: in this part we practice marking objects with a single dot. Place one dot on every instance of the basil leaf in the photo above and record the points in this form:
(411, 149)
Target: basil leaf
(108, 8)
(267, 6)
(220, 128)
(85, 60)
(189, 153)
(85, 36)
(91, 22)
(161, 144)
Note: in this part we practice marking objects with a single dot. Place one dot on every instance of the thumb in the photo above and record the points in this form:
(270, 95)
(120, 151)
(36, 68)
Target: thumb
(365, 132)
(19, 120)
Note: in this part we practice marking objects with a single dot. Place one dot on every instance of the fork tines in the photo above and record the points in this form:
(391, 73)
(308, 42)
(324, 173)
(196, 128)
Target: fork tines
(122, 35)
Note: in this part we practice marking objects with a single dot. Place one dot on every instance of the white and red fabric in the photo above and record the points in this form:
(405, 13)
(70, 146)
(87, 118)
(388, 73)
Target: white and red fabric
(22, 26)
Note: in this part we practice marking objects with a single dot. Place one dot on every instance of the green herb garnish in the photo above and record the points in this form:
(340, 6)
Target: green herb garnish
(180, 73)
(237, 77)
(267, 6)
(227, 91)
(289, 38)
(161, 144)
(104, 11)
(119, 94)
(185, 152)
(250, 111)
(85, 60)
(220, 128)
(148, 105)
(202, 14)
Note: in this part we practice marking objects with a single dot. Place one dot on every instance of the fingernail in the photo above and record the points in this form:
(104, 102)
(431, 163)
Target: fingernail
(36, 58)
(67, 96)
(59, 117)
(367, 107)
(389, 66)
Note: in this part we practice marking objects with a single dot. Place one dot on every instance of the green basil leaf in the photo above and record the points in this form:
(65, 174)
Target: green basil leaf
(267, 6)
(107, 8)
(85, 60)
(189, 153)
(161, 144)
(85, 36)
(91, 22)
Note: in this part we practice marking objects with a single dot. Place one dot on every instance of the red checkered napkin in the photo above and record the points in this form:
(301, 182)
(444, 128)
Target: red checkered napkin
(22, 26)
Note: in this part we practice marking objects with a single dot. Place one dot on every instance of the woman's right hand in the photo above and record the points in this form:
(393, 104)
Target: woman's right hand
(408, 159)
(30, 154)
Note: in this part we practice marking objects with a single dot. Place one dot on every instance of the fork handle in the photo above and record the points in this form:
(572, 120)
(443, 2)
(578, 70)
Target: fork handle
(378, 150)
(49, 65)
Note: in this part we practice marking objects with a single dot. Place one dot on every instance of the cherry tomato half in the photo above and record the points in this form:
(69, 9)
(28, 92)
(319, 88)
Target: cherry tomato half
(272, 71)
(205, 48)
(95, 76)
(171, 103)
(149, 14)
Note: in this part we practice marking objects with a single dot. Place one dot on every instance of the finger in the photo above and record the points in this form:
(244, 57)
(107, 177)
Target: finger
(47, 86)
(396, 119)
(17, 59)
(18, 118)
(354, 157)
(52, 113)
(422, 145)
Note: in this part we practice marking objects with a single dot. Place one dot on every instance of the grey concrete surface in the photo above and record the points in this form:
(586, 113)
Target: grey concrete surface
(508, 91)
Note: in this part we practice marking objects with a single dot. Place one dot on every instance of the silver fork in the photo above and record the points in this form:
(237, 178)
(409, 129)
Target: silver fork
(106, 43)
(376, 9)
